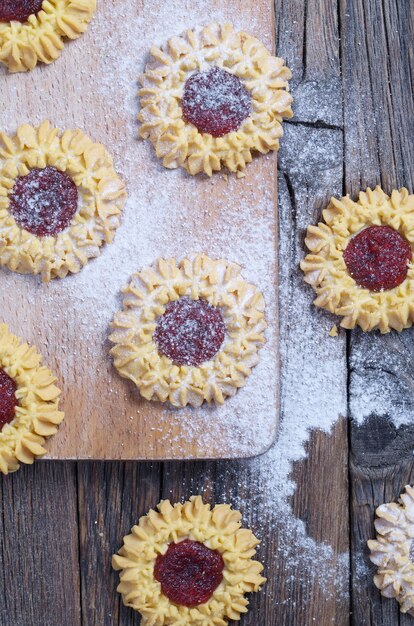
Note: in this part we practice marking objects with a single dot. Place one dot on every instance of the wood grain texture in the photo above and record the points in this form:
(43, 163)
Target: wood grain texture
(293, 597)
(379, 125)
(112, 497)
(68, 319)
(370, 41)
(39, 547)
(311, 170)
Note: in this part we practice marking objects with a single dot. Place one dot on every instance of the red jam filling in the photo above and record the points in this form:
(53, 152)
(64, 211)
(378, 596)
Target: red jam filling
(44, 201)
(377, 258)
(18, 10)
(8, 400)
(216, 102)
(189, 572)
(190, 332)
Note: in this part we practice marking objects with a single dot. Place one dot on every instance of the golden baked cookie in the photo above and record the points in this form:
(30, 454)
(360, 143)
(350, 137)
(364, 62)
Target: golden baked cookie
(212, 97)
(60, 200)
(188, 332)
(34, 30)
(29, 403)
(186, 564)
(361, 260)
(393, 550)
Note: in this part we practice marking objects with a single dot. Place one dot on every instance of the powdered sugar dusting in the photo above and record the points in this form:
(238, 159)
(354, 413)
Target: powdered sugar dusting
(44, 201)
(215, 101)
(171, 214)
(303, 358)
(381, 382)
(190, 332)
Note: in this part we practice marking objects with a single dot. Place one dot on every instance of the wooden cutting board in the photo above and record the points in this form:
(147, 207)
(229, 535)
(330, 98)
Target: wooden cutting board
(93, 86)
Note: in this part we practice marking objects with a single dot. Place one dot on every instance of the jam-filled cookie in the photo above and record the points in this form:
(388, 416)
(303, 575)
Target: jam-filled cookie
(211, 98)
(29, 402)
(393, 550)
(60, 200)
(187, 564)
(35, 30)
(189, 331)
(361, 260)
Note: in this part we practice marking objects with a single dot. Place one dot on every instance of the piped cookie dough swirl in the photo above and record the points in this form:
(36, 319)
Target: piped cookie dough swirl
(187, 564)
(213, 97)
(189, 332)
(60, 200)
(29, 403)
(33, 31)
(361, 260)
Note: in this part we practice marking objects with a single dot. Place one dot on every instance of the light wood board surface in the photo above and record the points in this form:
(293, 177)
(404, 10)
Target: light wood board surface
(93, 86)
(61, 522)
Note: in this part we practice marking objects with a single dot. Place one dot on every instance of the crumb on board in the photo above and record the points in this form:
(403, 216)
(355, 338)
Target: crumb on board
(334, 331)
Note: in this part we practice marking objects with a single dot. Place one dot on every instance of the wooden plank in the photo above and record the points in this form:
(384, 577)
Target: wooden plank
(308, 353)
(168, 214)
(39, 551)
(377, 78)
(311, 165)
(319, 591)
(112, 497)
(381, 452)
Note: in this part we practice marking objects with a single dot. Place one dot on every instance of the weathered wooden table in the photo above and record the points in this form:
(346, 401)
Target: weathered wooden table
(353, 84)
